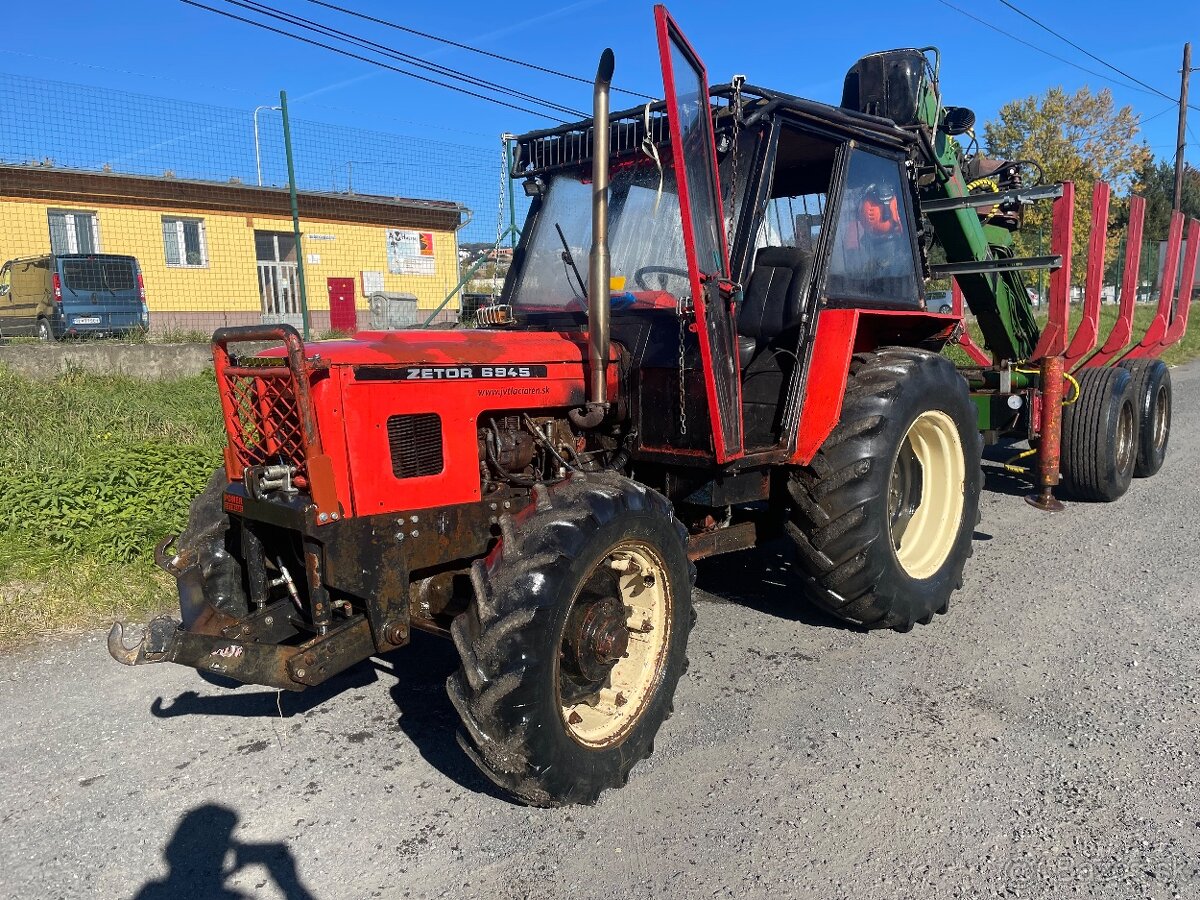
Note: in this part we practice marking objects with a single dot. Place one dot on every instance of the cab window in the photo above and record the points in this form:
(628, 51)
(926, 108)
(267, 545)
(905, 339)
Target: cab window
(872, 256)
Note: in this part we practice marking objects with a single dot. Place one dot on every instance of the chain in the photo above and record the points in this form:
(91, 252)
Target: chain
(499, 212)
(736, 102)
(681, 312)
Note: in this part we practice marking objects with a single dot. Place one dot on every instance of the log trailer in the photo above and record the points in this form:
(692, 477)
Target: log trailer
(714, 331)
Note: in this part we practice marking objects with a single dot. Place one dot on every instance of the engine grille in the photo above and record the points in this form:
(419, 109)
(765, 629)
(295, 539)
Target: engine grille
(415, 441)
(265, 426)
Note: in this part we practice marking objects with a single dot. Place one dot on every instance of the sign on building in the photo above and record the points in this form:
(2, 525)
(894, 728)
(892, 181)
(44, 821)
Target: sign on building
(410, 252)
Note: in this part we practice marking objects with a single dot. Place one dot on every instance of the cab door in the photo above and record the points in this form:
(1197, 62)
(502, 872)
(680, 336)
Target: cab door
(694, 154)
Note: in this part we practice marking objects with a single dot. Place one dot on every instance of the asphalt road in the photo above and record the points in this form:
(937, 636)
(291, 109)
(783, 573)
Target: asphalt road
(1039, 741)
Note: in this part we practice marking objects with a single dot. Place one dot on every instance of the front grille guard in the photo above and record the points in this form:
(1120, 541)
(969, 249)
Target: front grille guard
(268, 411)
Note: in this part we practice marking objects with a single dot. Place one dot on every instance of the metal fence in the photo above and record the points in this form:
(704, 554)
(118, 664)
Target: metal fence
(235, 216)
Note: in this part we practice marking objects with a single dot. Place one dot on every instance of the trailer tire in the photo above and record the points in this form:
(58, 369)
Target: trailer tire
(869, 554)
(1153, 399)
(552, 592)
(1099, 436)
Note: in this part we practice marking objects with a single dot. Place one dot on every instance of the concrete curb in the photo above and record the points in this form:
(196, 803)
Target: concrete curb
(145, 361)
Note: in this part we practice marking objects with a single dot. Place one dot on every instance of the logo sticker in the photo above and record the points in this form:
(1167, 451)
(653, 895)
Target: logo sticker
(448, 373)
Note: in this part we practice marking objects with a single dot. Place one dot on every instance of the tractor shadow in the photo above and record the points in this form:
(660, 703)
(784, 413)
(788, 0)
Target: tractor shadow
(764, 579)
(427, 718)
(425, 714)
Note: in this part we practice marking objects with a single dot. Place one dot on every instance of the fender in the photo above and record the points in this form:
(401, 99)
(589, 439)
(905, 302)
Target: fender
(840, 333)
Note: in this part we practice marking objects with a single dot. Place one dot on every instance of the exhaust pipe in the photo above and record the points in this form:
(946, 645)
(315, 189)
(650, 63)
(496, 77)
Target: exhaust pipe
(599, 305)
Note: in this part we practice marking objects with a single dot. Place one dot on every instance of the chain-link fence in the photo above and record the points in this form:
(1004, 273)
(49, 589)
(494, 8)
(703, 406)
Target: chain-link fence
(122, 212)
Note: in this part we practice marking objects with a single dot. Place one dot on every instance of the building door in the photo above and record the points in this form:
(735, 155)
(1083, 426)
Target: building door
(278, 282)
(342, 316)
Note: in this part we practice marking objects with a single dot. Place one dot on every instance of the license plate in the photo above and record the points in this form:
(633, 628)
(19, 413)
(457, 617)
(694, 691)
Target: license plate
(87, 320)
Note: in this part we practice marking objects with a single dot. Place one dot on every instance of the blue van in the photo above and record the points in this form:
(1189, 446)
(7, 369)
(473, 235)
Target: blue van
(72, 295)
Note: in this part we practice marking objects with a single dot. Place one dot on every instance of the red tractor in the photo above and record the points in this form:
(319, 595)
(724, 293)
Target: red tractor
(745, 351)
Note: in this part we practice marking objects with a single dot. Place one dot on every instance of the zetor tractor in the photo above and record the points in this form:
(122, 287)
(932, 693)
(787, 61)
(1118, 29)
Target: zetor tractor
(714, 332)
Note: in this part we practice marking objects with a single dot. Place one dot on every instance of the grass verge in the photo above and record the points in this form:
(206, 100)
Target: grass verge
(93, 471)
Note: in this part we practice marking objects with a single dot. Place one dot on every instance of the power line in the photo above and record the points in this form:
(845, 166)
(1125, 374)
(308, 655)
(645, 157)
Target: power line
(1041, 50)
(374, 62)
(461, 46)
(1086, 53)
(436, 68)
(1173, 106)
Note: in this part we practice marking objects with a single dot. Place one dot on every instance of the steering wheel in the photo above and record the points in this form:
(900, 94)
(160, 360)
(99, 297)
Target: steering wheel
(639, 276)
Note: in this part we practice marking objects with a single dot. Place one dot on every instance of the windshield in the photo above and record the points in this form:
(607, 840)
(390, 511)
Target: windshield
(645, 237)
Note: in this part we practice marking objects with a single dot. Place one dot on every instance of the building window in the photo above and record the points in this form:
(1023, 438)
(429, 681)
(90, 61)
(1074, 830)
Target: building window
(73, 232)
(183, 240)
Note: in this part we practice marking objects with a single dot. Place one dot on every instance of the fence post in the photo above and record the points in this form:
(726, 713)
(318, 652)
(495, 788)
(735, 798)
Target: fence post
(510, 147)
(287, 144)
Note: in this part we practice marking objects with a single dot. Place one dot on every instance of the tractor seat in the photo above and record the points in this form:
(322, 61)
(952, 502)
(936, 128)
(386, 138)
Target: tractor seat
(774, 299)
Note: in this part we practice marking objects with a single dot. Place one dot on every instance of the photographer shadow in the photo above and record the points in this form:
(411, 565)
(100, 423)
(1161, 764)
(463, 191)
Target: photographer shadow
(203, 855)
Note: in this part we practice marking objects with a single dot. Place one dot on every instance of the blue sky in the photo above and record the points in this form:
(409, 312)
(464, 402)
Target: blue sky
(165, 48)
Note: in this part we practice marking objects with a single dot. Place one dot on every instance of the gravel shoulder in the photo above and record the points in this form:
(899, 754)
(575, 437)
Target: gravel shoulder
(1039, 741)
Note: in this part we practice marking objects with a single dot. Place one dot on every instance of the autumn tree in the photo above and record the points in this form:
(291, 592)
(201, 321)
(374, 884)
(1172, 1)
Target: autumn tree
(1081, 137)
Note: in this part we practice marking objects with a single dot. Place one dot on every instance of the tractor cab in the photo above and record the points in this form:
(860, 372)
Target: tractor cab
(735, 215)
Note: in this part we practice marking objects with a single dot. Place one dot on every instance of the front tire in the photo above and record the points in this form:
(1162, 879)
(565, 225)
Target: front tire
(44, 332)
(884, 515)
(576, 639)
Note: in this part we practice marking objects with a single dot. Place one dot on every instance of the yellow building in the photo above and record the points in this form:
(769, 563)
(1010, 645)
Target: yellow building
(216, 254)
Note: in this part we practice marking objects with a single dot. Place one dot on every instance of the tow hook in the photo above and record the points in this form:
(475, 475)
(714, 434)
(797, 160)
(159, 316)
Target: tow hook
(170, 562)
(155, 645)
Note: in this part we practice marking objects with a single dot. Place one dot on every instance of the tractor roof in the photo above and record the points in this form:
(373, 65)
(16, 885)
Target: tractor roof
(568, 146)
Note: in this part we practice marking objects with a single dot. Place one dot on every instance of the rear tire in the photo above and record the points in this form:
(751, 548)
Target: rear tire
(1152, 397)
(44, 332)
(1099, 436)
(576, 639)
(884, 515)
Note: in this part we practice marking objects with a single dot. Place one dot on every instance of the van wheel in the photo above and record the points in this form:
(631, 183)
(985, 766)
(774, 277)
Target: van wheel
(44, 332)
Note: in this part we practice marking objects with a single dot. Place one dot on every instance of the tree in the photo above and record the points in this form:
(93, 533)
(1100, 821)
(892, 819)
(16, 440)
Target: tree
(1080, 137)
(1156, 182)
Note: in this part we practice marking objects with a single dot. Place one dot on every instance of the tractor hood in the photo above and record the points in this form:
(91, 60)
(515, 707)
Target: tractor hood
(468, 346)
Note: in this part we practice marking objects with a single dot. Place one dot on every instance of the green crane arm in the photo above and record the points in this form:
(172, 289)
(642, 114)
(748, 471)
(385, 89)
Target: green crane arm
(998, 299)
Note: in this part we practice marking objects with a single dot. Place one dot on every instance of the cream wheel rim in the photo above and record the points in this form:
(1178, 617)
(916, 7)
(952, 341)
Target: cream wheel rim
(604, 717)
(926, 494)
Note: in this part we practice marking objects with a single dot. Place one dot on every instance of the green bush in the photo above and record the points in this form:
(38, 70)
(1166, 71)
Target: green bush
(94, 471)
(115, 505)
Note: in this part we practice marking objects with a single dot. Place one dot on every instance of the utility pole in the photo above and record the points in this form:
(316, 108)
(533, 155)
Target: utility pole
(291, 167)
(1181, 141)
